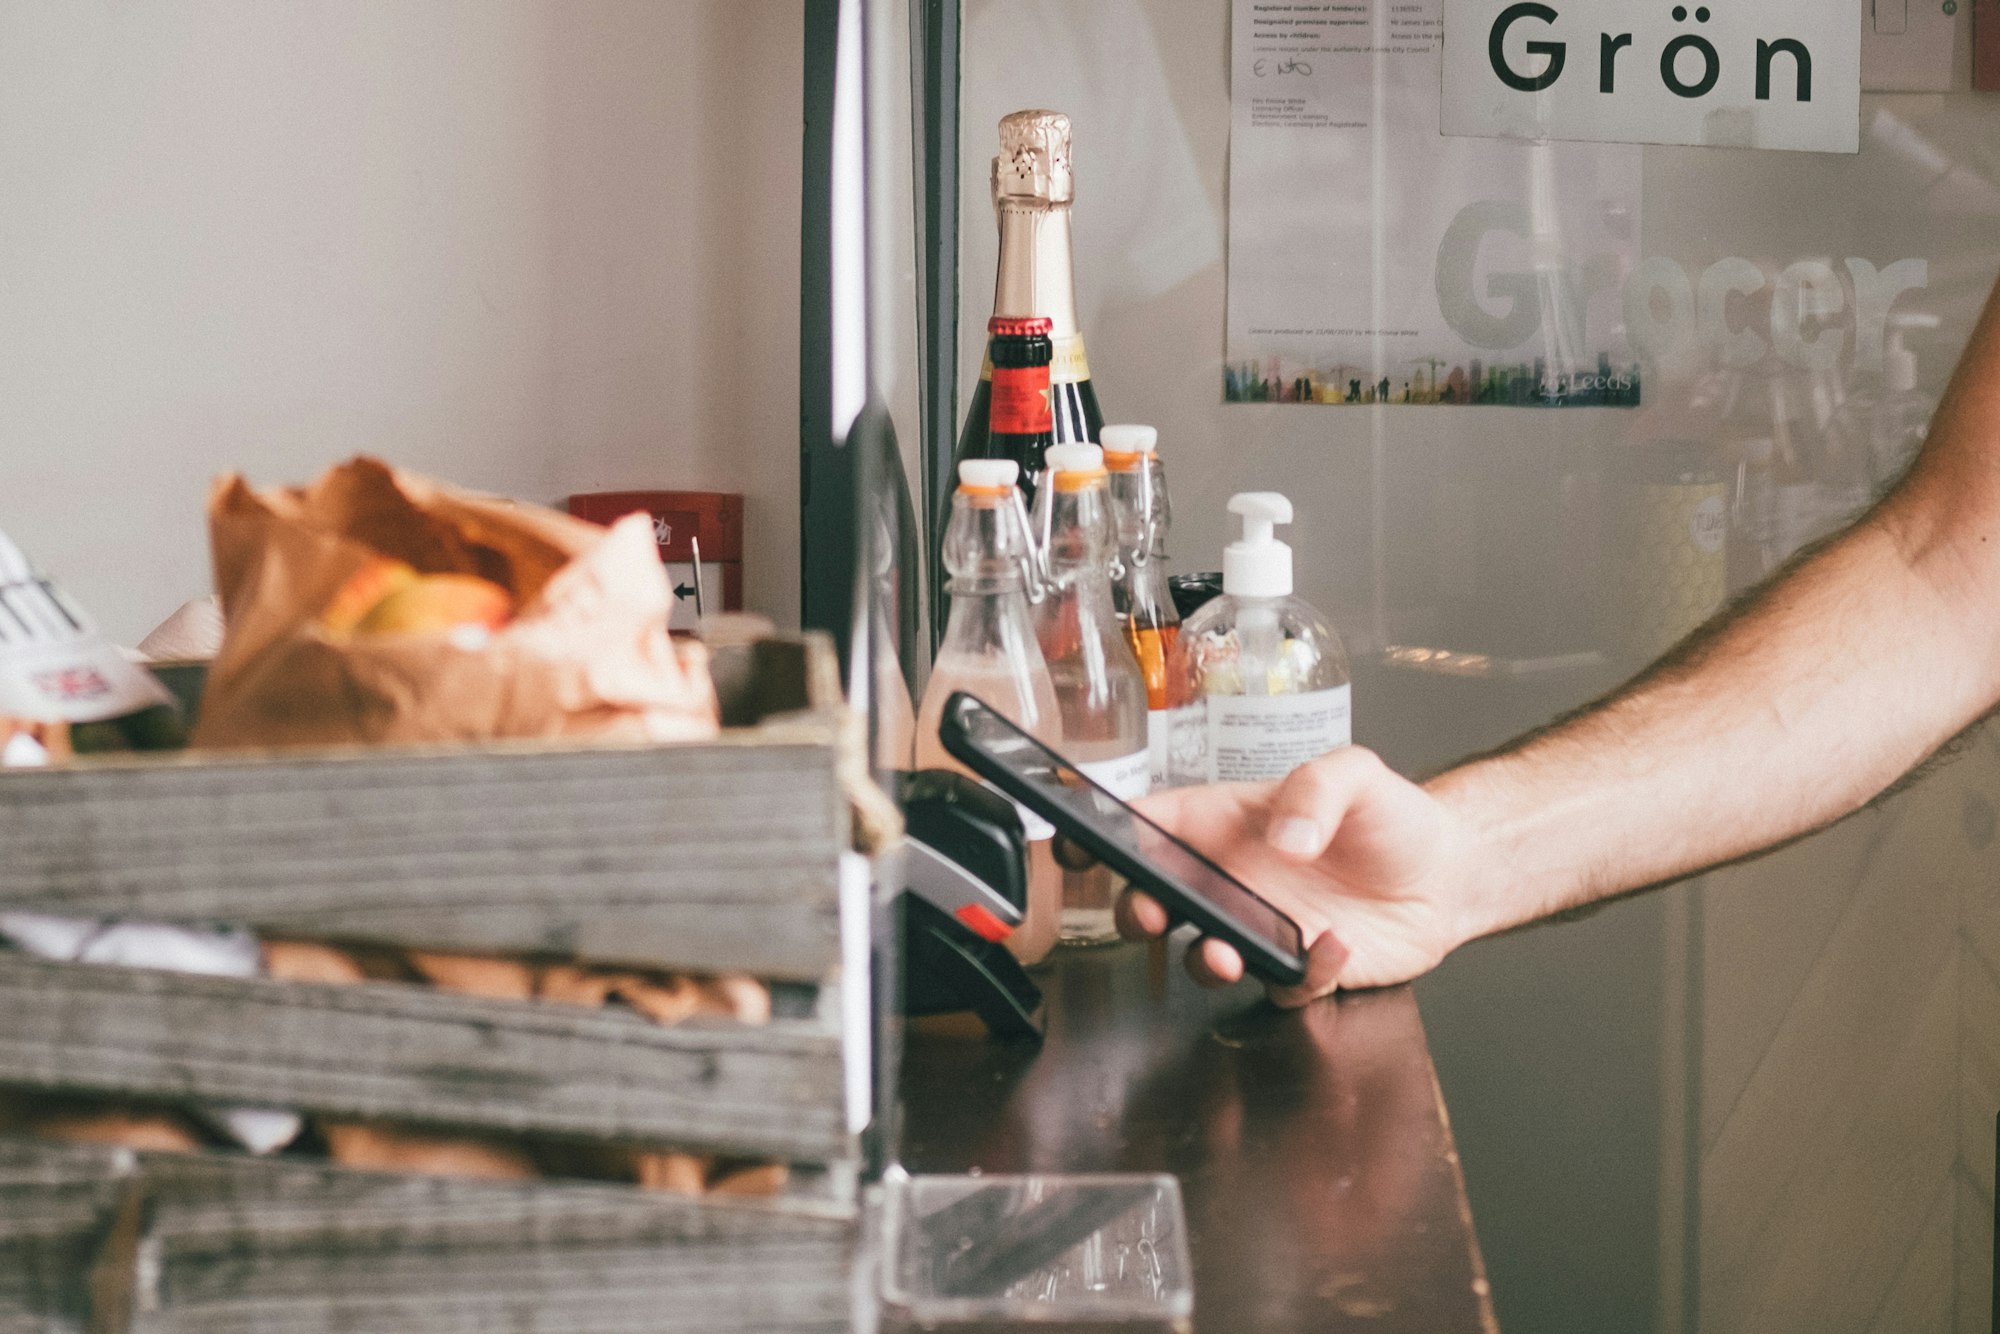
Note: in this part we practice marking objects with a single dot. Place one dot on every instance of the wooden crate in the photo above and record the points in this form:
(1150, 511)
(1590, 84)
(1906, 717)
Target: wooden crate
(723, 855)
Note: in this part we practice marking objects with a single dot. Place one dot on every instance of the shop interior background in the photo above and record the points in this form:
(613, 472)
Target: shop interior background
(1763, 1101)
(544, 246)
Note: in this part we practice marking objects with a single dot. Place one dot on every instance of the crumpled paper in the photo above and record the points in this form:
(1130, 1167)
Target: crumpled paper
(192, 634)
(586, 655)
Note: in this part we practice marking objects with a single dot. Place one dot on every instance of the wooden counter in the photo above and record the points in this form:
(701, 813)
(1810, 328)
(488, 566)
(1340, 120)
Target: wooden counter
(1322, 1186)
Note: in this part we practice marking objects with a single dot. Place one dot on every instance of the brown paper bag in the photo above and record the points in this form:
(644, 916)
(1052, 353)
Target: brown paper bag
(586, 653)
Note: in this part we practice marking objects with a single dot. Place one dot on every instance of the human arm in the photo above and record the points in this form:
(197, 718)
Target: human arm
(1788, 713)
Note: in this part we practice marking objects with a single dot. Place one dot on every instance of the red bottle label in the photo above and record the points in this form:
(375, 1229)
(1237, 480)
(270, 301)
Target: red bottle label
(1021, 401)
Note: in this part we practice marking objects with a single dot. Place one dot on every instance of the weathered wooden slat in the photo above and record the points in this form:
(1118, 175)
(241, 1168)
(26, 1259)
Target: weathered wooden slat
(57, 1203)
(647, 1292)
(413, 1054)
(759, 679)
(222, 1201)
(278, 1247)
(713, 856)
(782, 1279)
(44, 1280)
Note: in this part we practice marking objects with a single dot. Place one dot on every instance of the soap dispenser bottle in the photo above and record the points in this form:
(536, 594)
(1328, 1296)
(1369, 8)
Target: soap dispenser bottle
(1266, 673)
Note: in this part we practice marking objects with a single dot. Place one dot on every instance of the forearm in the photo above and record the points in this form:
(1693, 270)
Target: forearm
(1807, 702)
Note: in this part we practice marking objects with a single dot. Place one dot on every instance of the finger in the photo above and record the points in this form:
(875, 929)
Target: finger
(1202, 815)
(1140, 916)
(1213, 963)
(1325, 959)
(1071, 856)
(1169, 806)
(1310, 802)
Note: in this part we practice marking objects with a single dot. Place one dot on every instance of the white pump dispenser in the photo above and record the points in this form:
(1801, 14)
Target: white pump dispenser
(1267, 674)
(1258, 566)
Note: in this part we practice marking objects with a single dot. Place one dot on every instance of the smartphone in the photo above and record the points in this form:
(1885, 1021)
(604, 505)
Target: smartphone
(1186, 883)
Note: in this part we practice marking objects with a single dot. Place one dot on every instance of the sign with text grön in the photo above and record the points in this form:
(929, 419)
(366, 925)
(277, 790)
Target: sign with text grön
(1723, 73)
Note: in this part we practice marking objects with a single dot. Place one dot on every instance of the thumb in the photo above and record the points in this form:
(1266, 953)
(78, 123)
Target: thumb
(1308, 805)
(1324, 959)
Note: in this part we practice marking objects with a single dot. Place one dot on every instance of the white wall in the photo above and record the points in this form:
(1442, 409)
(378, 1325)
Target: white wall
(531, 247)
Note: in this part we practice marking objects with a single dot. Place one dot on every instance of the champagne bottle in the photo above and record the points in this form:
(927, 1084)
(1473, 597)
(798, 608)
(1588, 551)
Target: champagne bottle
(1032, 191)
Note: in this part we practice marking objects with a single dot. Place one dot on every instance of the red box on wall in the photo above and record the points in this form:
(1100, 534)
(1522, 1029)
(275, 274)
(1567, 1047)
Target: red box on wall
(1986, 46)
(681, 519)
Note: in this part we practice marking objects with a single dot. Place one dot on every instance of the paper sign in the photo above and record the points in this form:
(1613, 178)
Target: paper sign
(1722, 73)
(1373, 262)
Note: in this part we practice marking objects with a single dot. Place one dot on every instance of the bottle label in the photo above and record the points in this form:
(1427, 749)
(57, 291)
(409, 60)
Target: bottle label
(1070, 366)
(1255, 738)
(1160, 746)
(1708, 525)
(1127, 778)
(1020, 402)
(1187, 745)
(53, 666)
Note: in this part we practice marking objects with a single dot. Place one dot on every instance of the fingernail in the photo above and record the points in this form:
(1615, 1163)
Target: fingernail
(1297, 836)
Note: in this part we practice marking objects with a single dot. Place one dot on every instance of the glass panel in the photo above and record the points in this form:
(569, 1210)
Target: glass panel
(1740, 1104)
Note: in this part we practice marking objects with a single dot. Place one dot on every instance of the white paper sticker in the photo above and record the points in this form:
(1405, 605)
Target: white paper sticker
(1253, 738)
(53, 666)
(1127, 778)
(78, 679)
(1724, 73)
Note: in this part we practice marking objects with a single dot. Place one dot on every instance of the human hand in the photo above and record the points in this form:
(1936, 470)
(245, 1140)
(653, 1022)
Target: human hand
(1365, 861)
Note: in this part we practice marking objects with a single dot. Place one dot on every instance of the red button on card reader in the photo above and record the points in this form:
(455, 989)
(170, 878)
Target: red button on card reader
(983, 923)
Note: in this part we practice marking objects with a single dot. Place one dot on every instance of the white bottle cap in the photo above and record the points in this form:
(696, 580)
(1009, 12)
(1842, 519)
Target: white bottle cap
(1259, 566)
(1901, 369)
(1074, 457)
(988, 472)
(1130, 439)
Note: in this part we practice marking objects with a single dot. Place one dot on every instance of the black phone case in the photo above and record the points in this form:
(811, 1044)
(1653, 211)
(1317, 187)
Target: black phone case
(1258, 956)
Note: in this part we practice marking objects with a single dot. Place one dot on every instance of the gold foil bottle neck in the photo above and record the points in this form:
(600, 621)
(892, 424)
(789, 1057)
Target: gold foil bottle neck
(1034, 158)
